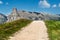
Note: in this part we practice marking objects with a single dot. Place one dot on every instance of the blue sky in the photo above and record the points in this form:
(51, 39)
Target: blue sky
(48, 6)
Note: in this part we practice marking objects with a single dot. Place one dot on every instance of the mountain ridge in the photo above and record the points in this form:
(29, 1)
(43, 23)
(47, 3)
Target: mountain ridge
(17, 14)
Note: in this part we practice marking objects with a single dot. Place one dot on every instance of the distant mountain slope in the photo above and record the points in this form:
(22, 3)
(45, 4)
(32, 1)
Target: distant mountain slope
(51, 16)
(3, 18)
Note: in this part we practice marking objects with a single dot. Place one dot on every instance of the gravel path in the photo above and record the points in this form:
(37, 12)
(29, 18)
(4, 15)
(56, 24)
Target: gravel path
(35, 31)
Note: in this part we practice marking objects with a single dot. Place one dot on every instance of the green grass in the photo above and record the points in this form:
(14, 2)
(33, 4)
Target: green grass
(7, 29)
(53, 29)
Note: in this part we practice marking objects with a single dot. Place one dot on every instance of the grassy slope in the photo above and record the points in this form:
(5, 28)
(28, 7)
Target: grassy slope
(8, 29)
(53, 29)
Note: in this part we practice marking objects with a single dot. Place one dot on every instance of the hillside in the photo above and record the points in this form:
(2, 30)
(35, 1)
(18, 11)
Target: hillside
(53, 29)
(36, 30)
(7, 29)
(38, 27)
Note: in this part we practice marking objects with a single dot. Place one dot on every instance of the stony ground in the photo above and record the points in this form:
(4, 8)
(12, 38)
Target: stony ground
(34, 31)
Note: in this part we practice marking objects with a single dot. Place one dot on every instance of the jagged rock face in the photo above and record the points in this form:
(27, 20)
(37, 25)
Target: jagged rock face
(23, 15)
(13, 16)
(30, 15)
(3, 18)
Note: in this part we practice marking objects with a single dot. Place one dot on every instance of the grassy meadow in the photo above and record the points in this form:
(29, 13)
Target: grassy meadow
(53, 29)
(7, 29)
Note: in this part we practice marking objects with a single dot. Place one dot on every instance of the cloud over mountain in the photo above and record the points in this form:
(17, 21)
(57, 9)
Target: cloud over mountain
(44, 4)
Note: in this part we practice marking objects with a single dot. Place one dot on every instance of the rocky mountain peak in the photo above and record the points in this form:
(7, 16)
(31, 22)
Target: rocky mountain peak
(14, 10)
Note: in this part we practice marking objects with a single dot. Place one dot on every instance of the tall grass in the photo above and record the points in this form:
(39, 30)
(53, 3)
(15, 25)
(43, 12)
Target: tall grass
(53, 29)
(7, 29)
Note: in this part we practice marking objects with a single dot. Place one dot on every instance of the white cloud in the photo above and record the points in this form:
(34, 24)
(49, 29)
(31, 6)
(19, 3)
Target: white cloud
(44, 4)
(1, 2)
(59, 4)
(54, 6)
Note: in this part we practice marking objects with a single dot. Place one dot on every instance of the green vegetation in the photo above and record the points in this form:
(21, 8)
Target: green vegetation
(7, 29)
(53, 29)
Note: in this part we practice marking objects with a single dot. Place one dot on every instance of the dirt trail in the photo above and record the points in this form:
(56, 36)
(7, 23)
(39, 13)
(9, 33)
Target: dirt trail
(35, 31)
